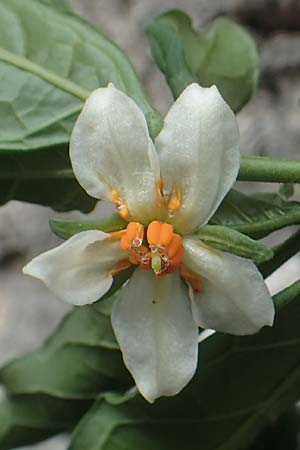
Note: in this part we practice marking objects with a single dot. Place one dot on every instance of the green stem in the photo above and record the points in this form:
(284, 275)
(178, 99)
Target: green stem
(282, 253)
(256, 168)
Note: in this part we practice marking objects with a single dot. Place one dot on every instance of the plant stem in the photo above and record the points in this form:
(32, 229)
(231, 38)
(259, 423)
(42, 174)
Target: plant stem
(257, 168)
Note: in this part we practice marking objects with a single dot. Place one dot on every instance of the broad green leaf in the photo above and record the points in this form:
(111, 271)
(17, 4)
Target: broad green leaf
(61, 4)
(242, 384)
(224, 54)
(44, 177)
(286, 190)
(27, 419)
(79, 361)
(282, 434)
(67, 228)
(229, 240)
(257, 215)
(49, 63)
(282, 253)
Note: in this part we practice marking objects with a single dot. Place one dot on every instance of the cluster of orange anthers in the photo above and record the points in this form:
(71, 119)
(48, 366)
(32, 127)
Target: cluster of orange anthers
(157, 247)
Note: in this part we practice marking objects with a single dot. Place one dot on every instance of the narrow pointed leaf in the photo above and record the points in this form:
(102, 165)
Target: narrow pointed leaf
(257, 215)
(67, 228)
(229, 240)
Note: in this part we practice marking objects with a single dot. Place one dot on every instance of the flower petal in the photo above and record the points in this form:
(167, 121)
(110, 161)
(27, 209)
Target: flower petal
(199, 153)
(79, 270)
(235, 298)
(111, 151)
(153, 323)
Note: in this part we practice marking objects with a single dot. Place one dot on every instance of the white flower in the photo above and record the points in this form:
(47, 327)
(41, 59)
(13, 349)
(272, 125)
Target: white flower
(165, 191)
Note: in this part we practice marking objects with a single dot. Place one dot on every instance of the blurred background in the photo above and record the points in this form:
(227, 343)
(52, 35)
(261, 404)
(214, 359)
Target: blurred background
(269, 125)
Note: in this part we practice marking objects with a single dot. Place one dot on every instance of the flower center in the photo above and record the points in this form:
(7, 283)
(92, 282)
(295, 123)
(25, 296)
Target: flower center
(159, 249)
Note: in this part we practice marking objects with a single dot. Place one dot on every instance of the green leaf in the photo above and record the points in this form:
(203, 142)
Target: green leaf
(257, 215)
(79, 361)
(242, 384)
(67, 228)
(61, 4)
(49, 62)
(286, 191)
(27, 419)
(44, 177)
(225, 55)
(282, 253)
(282, 434)
(229, 240)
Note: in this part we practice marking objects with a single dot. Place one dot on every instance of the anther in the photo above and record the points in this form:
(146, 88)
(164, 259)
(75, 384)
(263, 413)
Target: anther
(174, 202)
(120, 204)
(133, 237)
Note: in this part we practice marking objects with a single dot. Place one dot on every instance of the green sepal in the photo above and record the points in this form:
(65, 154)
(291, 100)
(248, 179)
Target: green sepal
(155, 123)
(68, 228)
(229, 240)
(224, 54)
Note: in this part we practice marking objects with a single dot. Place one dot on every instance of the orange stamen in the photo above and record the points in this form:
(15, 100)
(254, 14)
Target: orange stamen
(153, 232)
(133, 236)
(124, 242)
(176, 260)
(121, 265)
(192, 278)
(166, 234)
(175, 245)
(163, 251)
(133, 259)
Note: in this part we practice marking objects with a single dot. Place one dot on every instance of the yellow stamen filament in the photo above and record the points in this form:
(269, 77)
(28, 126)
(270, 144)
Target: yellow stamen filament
(192, 278)
(174, 202)
(120, 204)
(159, 191)
(117, 234)
(121, 265)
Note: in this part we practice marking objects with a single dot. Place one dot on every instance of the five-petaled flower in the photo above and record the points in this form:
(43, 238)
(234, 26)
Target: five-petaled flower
(165, 190)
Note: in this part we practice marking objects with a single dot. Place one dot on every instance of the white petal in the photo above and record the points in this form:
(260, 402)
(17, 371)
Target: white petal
(235, 298)
(154, 325)
(199, 151)
(79, 270)
(111, 150)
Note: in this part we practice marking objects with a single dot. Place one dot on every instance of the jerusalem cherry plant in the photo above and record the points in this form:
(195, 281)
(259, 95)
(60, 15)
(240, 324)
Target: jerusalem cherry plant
(174, 340)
